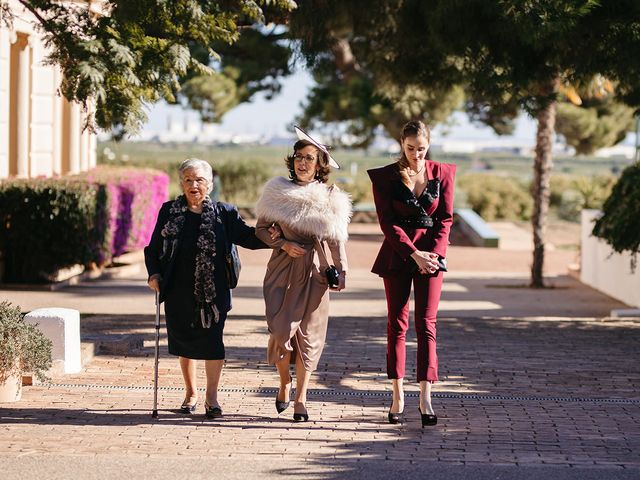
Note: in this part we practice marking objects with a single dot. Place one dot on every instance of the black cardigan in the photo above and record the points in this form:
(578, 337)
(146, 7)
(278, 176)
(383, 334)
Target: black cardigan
(232, 230)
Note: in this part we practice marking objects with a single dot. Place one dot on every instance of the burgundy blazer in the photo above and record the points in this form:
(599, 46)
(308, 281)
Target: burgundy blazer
(394, 201)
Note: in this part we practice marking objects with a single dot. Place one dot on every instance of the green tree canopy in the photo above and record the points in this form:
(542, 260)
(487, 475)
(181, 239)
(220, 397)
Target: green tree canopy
(256, 62)
(594, 119)
(139, 52)
(507, 54)
(350, 88)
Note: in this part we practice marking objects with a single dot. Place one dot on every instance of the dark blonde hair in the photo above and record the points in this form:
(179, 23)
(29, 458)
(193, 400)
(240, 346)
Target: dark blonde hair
(414, 128)
(322, 175)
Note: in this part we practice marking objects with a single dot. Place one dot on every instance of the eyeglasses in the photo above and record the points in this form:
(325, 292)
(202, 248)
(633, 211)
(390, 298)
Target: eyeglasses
(308, 158)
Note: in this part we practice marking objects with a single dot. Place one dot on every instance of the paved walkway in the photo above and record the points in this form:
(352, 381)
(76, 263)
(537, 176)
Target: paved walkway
(534, 383)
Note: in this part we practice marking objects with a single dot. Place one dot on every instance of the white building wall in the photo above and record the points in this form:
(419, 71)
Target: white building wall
(49, 131)
(42, 114)
(5, 52)
(605, 270)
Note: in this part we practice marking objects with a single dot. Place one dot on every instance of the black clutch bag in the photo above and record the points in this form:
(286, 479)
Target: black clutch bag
(333, 279)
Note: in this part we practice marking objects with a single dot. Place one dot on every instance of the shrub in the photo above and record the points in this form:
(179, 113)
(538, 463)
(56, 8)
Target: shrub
(132, 198)
(242, 180)
(23, 347)
(359, 189)
(559, 184)
(46, 225)
(494, 197)
(584, 192)
(619, 224)
(49, 224)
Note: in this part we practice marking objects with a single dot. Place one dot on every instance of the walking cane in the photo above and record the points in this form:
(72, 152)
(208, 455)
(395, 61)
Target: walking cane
(155, 374)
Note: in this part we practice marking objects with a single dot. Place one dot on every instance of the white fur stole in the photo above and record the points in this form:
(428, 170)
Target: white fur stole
(313, 209)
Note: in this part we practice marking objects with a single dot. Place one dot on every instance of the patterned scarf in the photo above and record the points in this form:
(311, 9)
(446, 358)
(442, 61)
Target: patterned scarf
(205, 288)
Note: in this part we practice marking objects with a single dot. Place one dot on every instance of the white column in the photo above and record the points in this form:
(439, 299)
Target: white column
(84, 147)
(57, 125)
(24, 98)
(5, 98)
(93, 147)
(74, 137)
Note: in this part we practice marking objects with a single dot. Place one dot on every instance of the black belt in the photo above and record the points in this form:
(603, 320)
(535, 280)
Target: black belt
(421, 221)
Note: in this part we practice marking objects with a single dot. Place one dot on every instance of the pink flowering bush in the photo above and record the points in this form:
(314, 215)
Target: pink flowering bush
(132, 197)
(49, 224)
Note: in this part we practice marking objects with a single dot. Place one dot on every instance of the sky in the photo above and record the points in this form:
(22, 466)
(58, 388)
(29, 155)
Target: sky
(271, 118)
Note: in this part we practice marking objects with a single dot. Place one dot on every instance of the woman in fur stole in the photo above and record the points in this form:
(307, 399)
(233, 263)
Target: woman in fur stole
(296, 292)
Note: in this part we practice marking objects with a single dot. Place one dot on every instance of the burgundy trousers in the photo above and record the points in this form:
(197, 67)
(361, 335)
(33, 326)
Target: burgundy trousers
(426, 297)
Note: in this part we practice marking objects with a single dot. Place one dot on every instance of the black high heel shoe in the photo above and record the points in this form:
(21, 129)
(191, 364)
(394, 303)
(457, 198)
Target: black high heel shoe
(395, 418)
(188, 408)
(281, 406)
(428, 419)
(212, 412)
(301, 417)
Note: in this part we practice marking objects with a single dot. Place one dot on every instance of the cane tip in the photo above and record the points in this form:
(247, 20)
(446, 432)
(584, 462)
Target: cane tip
(154, 414)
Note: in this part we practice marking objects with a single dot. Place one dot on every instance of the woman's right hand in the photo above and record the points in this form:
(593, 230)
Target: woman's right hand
(154, 282)
(427, 261)
(293, 249)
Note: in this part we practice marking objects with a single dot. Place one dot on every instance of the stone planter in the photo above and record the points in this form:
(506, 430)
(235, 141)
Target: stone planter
(10, 388)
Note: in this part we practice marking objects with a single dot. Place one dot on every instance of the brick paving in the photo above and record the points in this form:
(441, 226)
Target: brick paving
(529, 379)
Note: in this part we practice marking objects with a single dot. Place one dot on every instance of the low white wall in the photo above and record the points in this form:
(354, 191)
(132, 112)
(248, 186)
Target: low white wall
(605, 270)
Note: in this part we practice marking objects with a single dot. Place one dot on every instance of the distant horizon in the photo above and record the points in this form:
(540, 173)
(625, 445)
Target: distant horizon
(271, 118)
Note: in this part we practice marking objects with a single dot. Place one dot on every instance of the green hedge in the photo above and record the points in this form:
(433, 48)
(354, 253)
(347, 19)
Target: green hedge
(494, 197)
(45, 225)
(50, 224)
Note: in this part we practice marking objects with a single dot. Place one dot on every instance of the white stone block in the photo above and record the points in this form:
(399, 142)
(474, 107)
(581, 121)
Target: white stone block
(41, 164)
(5, 44)
(4, 74)
(42, 109)
(42, 82)
(42, 137)
(62, 327)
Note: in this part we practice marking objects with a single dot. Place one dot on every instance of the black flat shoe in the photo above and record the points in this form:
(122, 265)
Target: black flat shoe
(428, 419)
(282, 406)
(212, 412)
(188, 408)
(395, 418)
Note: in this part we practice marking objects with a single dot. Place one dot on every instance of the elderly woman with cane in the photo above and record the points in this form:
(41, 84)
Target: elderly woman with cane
(186, 263)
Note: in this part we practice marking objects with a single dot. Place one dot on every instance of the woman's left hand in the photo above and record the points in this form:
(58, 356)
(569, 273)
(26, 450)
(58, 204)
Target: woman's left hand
(275, 231)
(342, 282)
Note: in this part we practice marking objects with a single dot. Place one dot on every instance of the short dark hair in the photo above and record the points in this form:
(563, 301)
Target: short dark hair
(322, 175)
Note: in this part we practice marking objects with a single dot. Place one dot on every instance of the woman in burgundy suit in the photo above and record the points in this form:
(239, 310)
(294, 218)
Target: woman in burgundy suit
(414, 202)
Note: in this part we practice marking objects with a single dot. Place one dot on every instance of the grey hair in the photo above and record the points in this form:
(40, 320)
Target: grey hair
(202, 166)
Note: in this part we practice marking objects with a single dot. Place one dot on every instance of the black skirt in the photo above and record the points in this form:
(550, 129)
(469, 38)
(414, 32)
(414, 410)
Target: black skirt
(187, 337)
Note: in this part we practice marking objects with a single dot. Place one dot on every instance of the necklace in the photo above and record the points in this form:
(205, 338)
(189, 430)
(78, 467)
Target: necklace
(418, 172)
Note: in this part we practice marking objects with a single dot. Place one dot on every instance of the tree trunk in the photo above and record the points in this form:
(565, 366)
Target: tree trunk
(346, 62)
(542, 166)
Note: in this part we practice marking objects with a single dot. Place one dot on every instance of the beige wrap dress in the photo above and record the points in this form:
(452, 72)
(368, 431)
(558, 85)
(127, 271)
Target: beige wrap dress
(295, 289)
